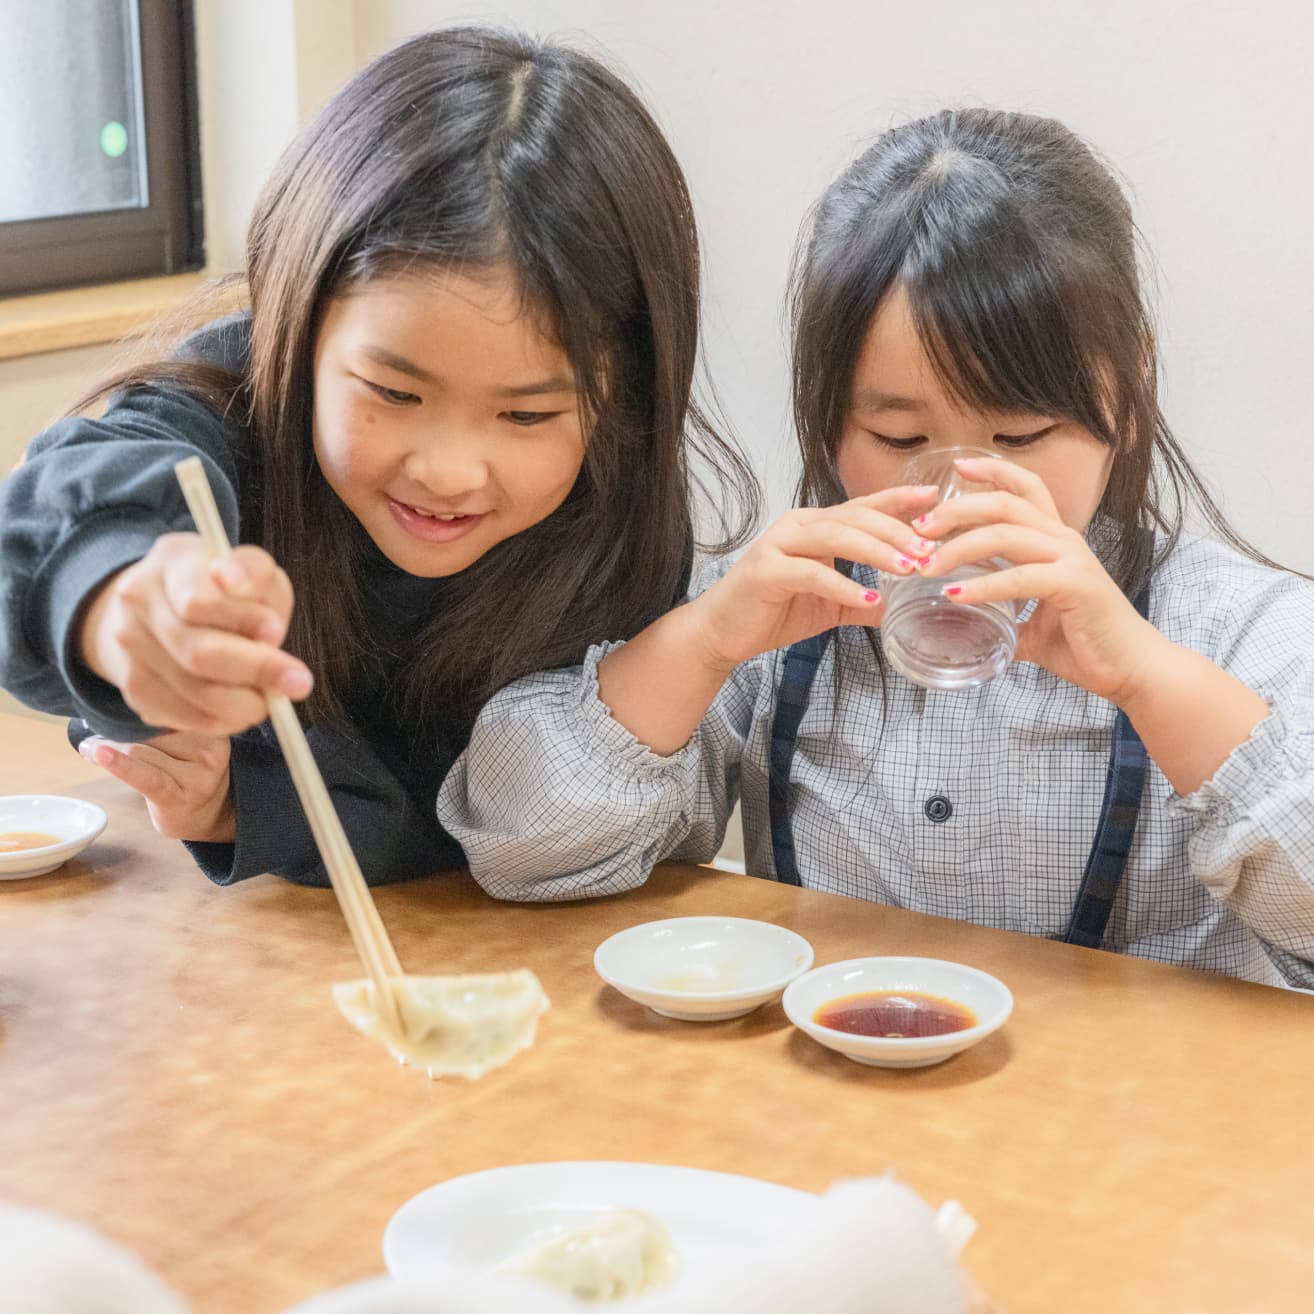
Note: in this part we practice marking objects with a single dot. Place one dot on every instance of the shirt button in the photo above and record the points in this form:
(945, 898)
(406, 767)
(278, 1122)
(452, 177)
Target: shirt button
(938, 808)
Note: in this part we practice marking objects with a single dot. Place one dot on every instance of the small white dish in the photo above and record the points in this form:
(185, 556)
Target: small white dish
(480, 1220)
(702, 969)
(989, 999)
(71, 821)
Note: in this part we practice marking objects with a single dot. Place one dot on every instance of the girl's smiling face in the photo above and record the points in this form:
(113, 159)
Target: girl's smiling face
(444, 418)
(899, 406)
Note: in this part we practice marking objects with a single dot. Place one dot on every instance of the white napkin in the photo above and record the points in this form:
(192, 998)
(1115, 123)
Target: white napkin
(52, 1265)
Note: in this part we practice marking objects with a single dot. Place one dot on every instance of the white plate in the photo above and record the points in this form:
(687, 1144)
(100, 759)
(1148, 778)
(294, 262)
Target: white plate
(75, 823)
(702, 969)
(479, 1220)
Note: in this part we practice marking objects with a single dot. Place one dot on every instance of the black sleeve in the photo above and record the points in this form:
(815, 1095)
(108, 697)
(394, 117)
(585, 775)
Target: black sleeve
(392, 837)
(90, 499)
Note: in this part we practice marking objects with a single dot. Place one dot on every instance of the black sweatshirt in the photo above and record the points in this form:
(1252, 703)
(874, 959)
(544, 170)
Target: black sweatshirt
(91, 498)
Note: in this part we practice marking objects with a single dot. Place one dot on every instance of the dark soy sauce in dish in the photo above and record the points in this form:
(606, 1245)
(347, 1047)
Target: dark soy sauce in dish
(895, 1015)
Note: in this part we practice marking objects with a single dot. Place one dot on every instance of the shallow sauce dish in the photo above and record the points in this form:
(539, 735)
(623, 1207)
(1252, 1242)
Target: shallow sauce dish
(71, 822)
(702, 969)
(987, 998)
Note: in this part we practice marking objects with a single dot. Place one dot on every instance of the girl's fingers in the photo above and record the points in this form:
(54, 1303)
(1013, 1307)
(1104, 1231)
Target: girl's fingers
(1019, 584)
(138, 769)
(162, 693)
(798, 575)
(1017, 544)
(198, 598)
(899, 499)
(1011, 478)
(832, 538)
(885, 529)
(215, 657)
(984, 509)
(250, 572)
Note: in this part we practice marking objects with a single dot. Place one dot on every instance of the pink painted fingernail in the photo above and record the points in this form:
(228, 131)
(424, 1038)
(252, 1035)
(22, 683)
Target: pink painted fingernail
(924, 562)
(906, 563)
(921, 520)
(871, 596)
(952, 590)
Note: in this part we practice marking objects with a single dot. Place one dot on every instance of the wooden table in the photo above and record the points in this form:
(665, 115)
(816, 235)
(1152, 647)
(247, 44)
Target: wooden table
(1138, 1138)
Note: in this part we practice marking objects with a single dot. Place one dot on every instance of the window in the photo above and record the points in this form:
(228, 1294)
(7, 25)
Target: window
(99, 161)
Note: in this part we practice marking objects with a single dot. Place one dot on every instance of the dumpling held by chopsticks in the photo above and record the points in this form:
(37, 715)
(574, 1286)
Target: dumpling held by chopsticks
(453, 1025)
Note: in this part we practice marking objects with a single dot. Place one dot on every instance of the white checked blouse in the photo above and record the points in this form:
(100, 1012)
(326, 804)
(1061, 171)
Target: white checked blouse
(977, 805)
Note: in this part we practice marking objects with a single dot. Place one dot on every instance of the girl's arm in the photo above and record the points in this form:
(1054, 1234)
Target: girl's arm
(91, 498)
(576, 783)
(1189, 712)
(554, 799)
(783, 589)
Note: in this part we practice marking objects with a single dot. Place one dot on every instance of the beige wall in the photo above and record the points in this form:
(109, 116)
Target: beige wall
(1205, 109)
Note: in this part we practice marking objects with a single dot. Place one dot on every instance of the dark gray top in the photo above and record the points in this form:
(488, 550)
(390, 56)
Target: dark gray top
(91, 498)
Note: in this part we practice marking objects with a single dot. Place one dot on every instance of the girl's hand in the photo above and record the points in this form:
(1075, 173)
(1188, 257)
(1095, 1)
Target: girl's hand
(786, 588)
(1084, 629)
(183, 778)
(192, 644)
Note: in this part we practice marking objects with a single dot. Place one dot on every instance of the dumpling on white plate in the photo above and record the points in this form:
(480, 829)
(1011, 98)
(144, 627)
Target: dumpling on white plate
(620, 1254)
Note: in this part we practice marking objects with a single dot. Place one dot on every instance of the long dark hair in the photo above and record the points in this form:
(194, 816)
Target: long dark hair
(468, 148)
(1018, 253)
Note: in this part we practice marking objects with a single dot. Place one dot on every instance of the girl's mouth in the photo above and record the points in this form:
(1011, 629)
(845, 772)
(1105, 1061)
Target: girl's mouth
(432, 527)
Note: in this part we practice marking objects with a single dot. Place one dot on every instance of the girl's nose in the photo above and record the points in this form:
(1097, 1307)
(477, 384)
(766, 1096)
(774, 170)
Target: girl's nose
(448, 469)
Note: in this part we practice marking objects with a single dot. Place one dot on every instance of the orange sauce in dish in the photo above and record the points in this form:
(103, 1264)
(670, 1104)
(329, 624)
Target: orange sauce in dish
(895, 1015)
(16, 841)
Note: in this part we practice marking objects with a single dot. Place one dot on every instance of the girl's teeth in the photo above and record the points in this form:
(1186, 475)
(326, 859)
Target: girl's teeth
(430, 515)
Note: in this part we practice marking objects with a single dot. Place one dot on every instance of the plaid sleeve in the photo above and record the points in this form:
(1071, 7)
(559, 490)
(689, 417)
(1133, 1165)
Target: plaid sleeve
(1253, 840)
(553, 799)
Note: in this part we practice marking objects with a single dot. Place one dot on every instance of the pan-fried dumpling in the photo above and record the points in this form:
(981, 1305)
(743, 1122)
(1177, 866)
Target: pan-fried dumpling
(455, 1025)
(620, 1254)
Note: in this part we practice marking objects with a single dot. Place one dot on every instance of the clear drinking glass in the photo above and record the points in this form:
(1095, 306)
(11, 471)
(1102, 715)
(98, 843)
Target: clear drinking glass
(935, 642)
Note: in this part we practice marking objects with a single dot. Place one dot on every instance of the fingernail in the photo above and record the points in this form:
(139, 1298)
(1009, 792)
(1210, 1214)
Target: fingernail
(952, 590)
(921, 520)
(270, 631)
(924, 562)
(906, 563)
(87, 748)
(871, 596)
(296, 683)
(925, 546)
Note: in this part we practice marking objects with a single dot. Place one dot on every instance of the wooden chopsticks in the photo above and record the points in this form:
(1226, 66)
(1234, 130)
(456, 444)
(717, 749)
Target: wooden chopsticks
(358, 906)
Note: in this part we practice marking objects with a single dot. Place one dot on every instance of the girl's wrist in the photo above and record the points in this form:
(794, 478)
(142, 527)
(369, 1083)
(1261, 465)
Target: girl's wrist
(697, 623)
(1159, 660)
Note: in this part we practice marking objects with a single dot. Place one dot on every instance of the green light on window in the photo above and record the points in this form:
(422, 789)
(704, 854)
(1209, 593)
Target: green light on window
(114, 139)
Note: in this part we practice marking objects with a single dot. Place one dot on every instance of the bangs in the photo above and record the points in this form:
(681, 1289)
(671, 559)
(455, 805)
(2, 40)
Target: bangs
(1008, 320)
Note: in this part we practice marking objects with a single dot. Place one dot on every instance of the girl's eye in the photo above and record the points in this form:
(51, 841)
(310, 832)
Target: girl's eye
(1016, 440)
(393, 396)
(898, 444)
(527, 419)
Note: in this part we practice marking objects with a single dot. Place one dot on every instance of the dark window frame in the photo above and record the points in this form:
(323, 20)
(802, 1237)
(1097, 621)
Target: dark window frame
(165, 237)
